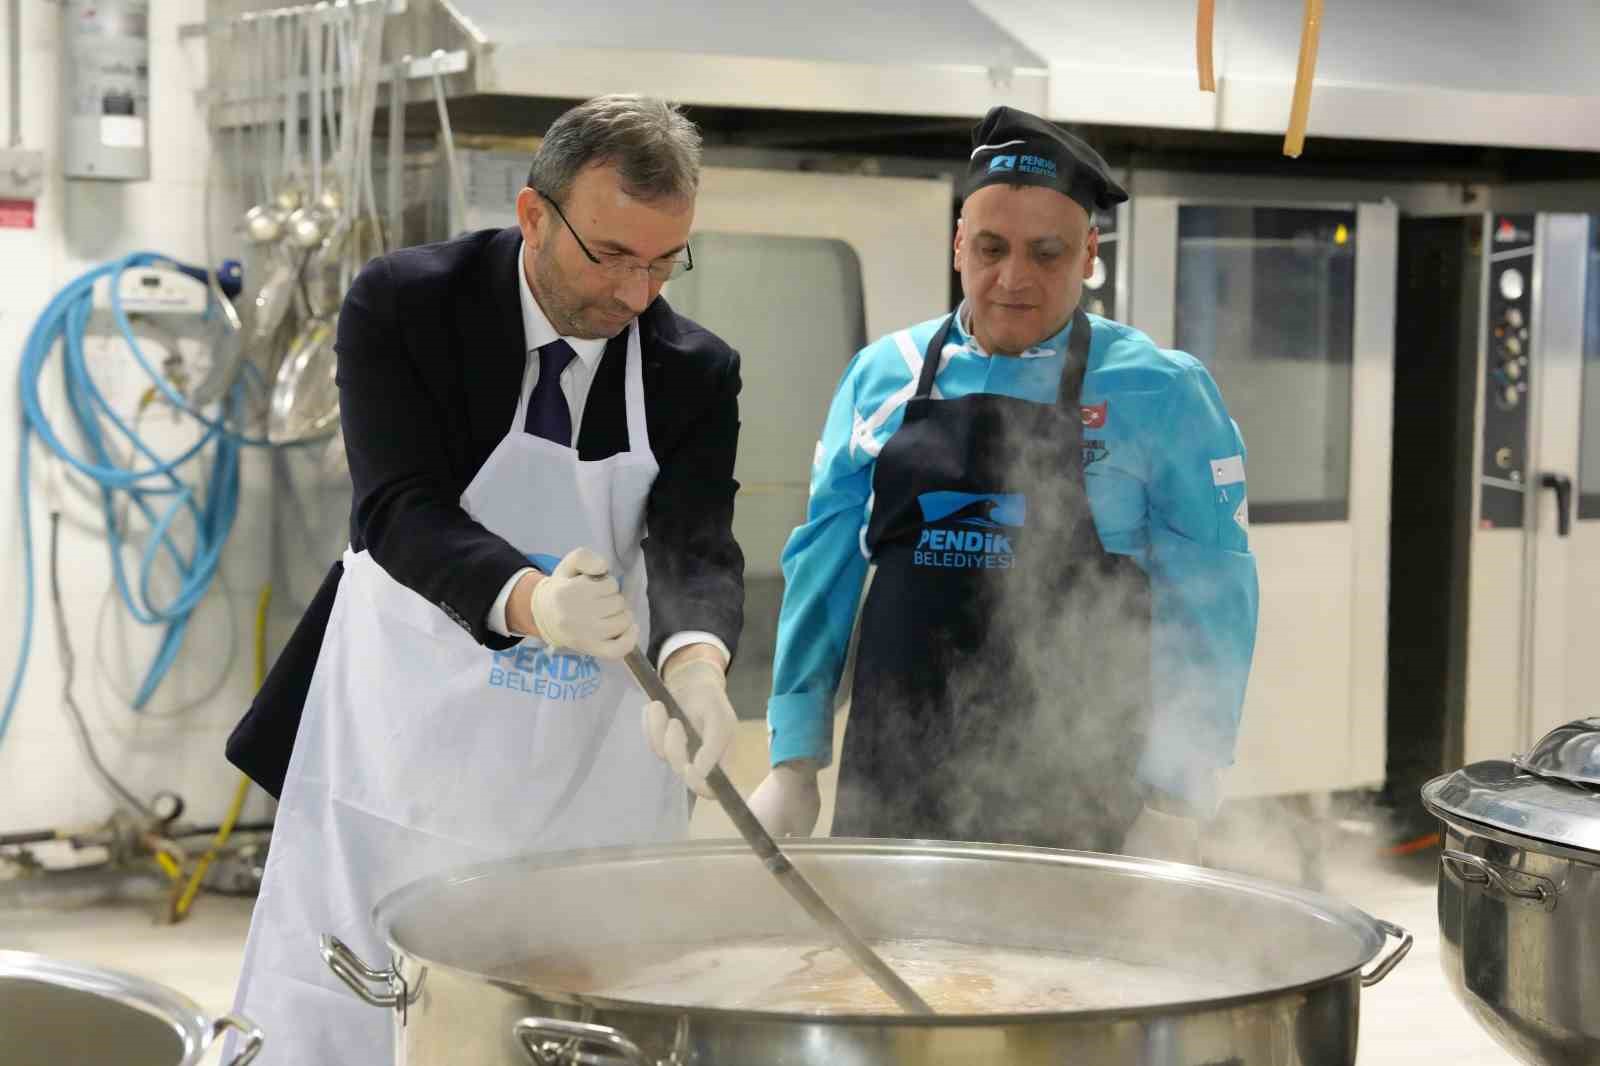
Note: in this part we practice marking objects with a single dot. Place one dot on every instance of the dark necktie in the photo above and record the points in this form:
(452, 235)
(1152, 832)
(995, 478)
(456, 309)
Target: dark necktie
(548, 416)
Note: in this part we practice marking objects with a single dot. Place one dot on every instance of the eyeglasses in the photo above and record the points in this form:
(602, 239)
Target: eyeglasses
(619, 266)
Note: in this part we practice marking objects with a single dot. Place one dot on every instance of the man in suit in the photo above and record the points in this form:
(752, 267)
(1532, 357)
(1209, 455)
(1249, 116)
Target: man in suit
(542, 454)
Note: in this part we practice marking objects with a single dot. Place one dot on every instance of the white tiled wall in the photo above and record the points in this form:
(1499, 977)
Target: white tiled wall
(44, 777)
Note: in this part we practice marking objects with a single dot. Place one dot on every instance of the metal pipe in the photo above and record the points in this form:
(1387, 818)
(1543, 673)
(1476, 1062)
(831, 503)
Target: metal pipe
(33, 836)
(199, 29)
(15, 40)
(71, 889)
(457, 62)
(46, 836)
(314, 38)
(397, 149)
(212, 830)
(457, 187)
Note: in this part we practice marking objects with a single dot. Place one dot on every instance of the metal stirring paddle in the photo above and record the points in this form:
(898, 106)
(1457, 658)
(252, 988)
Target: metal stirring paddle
(772, 857)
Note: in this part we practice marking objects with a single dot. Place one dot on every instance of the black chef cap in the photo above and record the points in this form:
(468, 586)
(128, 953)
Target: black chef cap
(1012, 147)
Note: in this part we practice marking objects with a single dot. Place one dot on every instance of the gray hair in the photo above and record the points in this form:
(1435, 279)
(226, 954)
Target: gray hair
(655, 149)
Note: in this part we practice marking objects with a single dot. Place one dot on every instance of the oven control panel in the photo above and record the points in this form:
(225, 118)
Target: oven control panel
(1507, 365)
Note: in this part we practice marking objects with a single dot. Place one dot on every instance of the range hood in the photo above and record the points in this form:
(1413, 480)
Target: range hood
(1441, 72)
(941, 58)
(1468, 72)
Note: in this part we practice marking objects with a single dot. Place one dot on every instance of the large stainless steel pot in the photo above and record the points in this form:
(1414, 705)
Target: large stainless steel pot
(1519, 894)
(1292, 962)
(54, 1012)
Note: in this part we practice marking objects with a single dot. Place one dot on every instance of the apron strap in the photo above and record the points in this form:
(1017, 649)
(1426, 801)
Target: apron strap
(1072, 370)
(627, 345)
(1086, 538)
(1077, 364)
(932, 357)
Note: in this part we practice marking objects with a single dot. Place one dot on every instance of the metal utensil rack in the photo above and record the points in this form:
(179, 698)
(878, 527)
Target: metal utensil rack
(235, 103)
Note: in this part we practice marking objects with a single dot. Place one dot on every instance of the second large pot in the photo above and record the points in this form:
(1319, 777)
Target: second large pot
(54, 1013)
(1277, 973)
(1519, 895)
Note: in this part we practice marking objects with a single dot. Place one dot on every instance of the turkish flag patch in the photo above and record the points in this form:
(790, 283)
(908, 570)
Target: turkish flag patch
(1094, 417)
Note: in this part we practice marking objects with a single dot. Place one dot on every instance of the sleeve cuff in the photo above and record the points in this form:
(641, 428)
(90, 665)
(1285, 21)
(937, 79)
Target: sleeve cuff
(497, 610)
(800, 726)
(686, 638)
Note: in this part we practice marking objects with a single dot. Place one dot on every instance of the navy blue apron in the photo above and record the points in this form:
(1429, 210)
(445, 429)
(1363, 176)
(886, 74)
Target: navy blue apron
(1001, 688)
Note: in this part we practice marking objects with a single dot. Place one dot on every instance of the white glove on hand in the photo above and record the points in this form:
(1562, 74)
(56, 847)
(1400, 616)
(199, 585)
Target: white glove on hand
(701, 690)
(787, 802)
(1156, 835)
(580, 607)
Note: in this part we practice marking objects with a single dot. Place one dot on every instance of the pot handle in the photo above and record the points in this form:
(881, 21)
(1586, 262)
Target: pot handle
(1385, 965)
(246, 1028)
(1484, 872)
(359, 977)
(550, 1040)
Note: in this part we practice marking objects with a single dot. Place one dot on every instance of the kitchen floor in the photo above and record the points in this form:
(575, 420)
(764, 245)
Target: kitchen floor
(1410, 1017)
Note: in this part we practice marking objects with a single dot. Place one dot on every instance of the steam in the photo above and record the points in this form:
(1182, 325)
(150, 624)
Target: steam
(1050, 757)
(1103, 689)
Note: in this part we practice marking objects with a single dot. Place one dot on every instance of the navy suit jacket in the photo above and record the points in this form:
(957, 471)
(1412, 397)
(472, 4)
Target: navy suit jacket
(431, 355)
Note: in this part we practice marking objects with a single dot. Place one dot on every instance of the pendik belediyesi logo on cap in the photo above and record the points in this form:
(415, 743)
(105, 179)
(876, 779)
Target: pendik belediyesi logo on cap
(1024, 164)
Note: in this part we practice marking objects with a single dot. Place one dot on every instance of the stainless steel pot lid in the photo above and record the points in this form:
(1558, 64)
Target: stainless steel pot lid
(1568, 753)
(1552, 794)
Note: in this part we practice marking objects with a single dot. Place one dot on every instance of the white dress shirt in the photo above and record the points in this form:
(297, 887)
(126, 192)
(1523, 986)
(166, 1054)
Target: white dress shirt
(575, 382)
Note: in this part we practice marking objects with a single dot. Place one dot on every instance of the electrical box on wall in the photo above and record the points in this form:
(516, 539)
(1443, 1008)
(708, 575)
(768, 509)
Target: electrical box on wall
(158, 290)
(106, 90)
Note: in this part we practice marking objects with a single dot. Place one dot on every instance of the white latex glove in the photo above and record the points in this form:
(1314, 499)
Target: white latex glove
(580, 607)
(701, 690)
(1157, 835)
(787, 802)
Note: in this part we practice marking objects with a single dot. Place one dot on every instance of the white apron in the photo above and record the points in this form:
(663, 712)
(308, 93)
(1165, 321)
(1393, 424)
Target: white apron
(421, 750)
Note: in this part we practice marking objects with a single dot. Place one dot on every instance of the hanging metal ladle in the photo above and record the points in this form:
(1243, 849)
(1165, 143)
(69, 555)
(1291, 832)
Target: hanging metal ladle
(263, 222)
(310, 223)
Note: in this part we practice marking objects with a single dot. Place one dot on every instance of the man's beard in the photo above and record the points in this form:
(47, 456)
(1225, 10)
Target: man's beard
(560, 306)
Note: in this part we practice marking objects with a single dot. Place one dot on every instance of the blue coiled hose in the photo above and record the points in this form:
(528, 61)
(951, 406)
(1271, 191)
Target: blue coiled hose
(155, 488)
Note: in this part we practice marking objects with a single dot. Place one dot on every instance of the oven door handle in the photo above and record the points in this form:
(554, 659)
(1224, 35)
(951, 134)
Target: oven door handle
(1562, 484)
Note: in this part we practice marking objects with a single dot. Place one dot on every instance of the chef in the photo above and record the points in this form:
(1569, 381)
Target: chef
(1058, 631)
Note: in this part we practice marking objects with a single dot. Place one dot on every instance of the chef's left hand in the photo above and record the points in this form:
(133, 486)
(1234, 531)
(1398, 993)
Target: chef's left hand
(699, 685)
(1158, 835)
